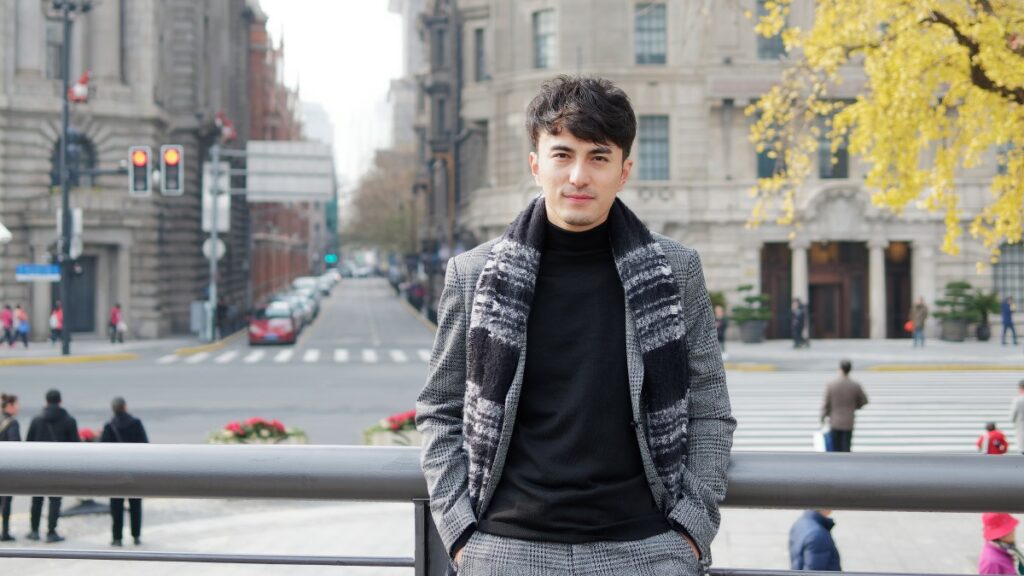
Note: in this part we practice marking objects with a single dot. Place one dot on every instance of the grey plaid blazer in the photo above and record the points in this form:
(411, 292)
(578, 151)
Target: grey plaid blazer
(439, 408)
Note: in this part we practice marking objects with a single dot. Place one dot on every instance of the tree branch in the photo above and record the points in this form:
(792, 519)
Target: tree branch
(979, 77)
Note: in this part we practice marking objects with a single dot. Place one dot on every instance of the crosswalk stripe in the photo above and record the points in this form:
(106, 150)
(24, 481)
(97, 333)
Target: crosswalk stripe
(226, 357)
(369, 356)
(424, 354)
(399, 356)
(169, 359)
(284, 356)
(197, 358)
(311, 355)
(341, 355)
(254, 356)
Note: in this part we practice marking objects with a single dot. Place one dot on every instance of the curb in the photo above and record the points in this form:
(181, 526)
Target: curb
(51, 360)
(748, 367)
(192, 350)
(945, 368)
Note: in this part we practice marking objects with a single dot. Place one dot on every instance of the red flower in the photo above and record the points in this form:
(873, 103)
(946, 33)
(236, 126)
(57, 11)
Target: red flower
(86, 435)
(254, 421)
(277, 426)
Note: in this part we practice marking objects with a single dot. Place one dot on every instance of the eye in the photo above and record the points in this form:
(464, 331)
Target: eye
(560, 155)
(601, 158)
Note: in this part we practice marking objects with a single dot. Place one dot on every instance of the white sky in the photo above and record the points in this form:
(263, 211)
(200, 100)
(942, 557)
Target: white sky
(343, 54)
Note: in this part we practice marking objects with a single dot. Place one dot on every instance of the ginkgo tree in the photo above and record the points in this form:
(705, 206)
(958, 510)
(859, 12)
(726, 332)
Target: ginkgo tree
(944, 88)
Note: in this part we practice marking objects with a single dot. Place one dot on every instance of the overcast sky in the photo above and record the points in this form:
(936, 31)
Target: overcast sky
(342, 54)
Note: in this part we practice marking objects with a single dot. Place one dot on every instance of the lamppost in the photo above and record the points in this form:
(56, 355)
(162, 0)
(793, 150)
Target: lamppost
(64, 9)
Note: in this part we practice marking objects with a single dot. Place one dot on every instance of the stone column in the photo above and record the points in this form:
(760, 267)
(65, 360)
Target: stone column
(876, 288)
(800, 288)
(922, 280)
(30, 32)
(105, 41)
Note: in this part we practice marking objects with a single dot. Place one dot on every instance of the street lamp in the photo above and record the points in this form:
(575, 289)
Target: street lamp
(63, 9)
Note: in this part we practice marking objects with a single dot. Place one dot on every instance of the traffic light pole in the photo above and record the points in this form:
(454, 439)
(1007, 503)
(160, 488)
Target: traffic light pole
(65, 182)
(214, 224)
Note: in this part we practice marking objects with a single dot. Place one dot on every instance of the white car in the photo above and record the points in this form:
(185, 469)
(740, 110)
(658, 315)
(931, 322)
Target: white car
(305, 282)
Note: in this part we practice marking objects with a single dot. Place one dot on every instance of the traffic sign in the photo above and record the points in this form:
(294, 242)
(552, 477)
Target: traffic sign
(76, 247)
(37, 273)
(208, 248)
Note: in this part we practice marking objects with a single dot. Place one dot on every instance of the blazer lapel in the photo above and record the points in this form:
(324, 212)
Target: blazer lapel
(634, 363)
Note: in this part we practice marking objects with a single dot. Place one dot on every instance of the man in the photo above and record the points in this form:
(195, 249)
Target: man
(602, 448)
(124, 427)
(843, 397)
(798, 319)
(993, 441)
(918, 317)
(53, 425)
(1008, 320)
(7, 319)
(114, 325)
(1017, 416)
(811, 546)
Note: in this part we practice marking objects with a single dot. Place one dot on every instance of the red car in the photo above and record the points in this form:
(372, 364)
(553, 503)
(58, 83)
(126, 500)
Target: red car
(273, 324)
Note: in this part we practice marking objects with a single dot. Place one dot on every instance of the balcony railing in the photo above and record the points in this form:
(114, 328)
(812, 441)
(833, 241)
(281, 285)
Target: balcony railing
(903, 482)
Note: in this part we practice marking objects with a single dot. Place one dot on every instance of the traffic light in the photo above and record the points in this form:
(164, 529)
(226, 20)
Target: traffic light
(139, 183)
(330, 258)
(172, 165)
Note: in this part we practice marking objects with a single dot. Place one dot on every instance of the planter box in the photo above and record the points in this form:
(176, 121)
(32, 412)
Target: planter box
(752, 332)
(388, 438)
(954, 330)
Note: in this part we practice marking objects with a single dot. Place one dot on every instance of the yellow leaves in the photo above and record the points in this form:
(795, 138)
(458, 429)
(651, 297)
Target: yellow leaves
(922, 118)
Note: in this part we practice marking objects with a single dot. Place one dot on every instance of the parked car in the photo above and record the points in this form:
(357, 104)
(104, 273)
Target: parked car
(312, 298)
(303, 311)
(274, 323)
(325, 283)
(304, 282)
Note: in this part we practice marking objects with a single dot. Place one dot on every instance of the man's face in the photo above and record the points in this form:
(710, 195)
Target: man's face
(580, 179)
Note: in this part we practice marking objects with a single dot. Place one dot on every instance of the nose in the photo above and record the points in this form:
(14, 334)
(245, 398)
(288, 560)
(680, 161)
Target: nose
(579, 176)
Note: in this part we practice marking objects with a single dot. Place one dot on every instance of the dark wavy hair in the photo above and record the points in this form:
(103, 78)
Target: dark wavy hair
(591, 109)
(7, 399)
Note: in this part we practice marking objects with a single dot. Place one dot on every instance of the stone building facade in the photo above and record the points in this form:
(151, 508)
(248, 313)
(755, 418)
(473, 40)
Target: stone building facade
(690, 69)
(152, 83)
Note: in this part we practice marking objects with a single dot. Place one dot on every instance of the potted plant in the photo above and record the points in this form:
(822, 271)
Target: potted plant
(753, 315)
(395, 430)
(257, 431)
(955, 311)
(983, 303)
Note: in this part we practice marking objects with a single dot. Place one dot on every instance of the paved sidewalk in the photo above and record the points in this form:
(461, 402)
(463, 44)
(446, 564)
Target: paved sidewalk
(876, 354)
(92, 348)
(868, 541)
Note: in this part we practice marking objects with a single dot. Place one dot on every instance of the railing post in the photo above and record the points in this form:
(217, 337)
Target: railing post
(431, 556)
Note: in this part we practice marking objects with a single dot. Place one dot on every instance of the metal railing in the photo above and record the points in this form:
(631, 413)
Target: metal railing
(899, 482)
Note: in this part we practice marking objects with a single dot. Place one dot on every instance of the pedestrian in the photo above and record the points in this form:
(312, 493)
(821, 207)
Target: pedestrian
(843, 397)
(535, 458)
(53, 425)
(7, 320)
(811, 546)
(125, 428)
(10, 431)
(21, 325)
(797, 321)
(1008, 326)
(993, 441)
(56, 322)
(918, 319)
(1017, 415)
(115, 324)
(721, 325)
(999, 553)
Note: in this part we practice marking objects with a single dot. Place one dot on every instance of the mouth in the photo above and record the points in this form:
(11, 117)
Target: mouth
(578, 198)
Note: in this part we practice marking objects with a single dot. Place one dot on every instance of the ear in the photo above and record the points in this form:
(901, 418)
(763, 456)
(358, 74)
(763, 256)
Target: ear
(535, 167)
(627, 167)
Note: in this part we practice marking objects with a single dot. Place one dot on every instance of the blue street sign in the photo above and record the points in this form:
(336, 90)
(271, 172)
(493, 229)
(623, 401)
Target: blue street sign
(37, 273)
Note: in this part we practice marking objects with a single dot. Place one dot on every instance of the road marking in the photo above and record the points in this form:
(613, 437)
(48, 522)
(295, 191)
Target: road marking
(424, 355)
(369, 356)
(197, 358)
(284, 356)
(226, 357)
(311, 355)
(398, 356)
(341, 355)
(254, 356)
(169, 359)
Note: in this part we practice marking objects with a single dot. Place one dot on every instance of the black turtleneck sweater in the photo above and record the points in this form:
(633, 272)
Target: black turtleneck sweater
(574, 472)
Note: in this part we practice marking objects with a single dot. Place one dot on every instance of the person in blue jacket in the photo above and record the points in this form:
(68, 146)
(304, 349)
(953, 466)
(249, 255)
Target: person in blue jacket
(1007, 310)
(810, 543)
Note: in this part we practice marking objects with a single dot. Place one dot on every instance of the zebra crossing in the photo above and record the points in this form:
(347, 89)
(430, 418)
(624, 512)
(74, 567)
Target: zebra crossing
(907, 412)
(306, 356)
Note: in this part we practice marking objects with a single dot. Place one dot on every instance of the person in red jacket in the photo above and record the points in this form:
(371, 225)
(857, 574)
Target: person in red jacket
(993, 441)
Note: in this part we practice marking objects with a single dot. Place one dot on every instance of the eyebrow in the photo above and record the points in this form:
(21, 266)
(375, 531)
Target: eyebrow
(596, 150)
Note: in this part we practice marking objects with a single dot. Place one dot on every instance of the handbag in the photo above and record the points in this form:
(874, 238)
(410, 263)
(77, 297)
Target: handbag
(822, 439)
(909, 326)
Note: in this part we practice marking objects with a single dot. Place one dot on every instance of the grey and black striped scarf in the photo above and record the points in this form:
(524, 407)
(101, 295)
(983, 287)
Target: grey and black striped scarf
(497, 336)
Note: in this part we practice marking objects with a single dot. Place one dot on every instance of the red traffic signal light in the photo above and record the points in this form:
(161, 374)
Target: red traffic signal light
(172, 160)
(139, 183)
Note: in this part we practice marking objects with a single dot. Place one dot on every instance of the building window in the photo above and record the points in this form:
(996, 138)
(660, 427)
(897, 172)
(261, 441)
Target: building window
(767, 166)
(1002, 158)
(768, 48)
(650, 33)
(81, 156)
(544, 38)
(832, 166)
(653, 136)
(479, 55)
(54, 49)
(1008, 273)
(438, 49)
(440, 119)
